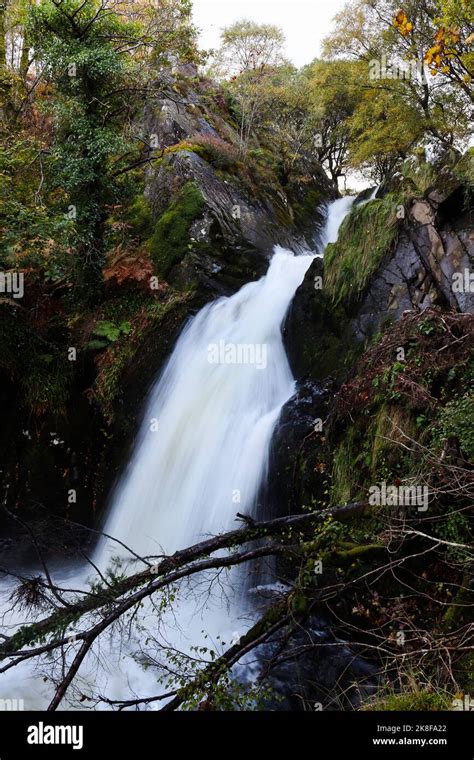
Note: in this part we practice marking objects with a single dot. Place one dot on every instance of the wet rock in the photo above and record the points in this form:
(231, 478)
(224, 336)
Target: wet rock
(297, 465)
(313, 330)
(365, 195)
(329, 673)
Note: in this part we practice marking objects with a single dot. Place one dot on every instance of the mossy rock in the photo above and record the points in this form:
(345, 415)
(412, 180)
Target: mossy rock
(306, 207)
(317, 336)
(367, 235)
(170, 241)
(139, 217)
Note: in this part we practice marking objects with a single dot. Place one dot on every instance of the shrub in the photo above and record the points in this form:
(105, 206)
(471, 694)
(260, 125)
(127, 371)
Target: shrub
(38, 366)
(219, 153)
(106, 332)
(457, 420)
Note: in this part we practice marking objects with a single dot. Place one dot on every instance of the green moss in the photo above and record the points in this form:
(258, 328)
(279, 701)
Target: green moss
(46, 386)
(346, 468)
(139, 217)
(122, 306)
(412, 701)
(185, 145)
(368, 452)
(170, 240)
(365, 237)
(421, 176)
(305, 208)
(385, 432)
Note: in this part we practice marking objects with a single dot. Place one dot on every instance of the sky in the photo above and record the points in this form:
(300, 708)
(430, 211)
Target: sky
(304, 23)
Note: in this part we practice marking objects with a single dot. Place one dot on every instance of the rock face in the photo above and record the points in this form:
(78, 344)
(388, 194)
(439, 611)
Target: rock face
(232, 239)
(428, 266)
(312, 331)
(308, 682)
(298, 471)
(420, 272)
(324, 339)
(246, 211)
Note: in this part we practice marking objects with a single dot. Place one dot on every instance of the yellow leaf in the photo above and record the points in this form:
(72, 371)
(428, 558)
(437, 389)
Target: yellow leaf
(400, 18)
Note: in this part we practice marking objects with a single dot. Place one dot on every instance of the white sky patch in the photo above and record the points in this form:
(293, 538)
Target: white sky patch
(304, 23)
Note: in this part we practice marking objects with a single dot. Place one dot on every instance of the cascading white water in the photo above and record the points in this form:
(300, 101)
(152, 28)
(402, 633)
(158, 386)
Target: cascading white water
(202, 450)
(201, 454)
(336, 213)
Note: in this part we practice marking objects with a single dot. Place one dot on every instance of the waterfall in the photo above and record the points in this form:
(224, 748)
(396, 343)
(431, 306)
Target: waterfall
(202, 450)
(335, 215)
(200, 457)
(201, 453)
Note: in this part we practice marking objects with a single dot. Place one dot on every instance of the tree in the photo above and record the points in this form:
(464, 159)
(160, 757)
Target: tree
(334, 93)
(13, 66)
(288, 118)
(250, 47)
(3, 46)
(168, 33)
(451, 52)
(4, 75)
(416, 80)
(71, 145)
(173, 32)
(248, 58)
(81, 47)
(249, 92)
(192, 677)
(383, 130)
